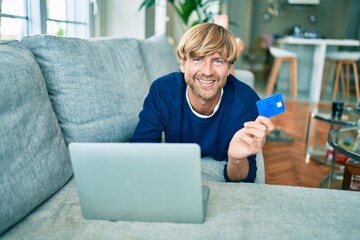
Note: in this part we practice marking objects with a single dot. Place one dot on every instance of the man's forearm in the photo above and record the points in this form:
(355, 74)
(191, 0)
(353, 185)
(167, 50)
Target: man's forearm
(237, 170)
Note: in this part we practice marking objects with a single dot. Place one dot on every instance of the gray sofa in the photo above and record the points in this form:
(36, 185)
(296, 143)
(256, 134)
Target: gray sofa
(60, 90)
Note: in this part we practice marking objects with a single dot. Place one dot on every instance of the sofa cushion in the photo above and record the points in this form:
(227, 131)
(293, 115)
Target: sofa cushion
(34, 160)
(159, 56)
(96, 87)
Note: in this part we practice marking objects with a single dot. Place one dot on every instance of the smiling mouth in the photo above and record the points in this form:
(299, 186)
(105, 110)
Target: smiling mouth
(206, 83)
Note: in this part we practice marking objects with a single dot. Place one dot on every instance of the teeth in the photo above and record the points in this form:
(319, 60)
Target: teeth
(206, 82)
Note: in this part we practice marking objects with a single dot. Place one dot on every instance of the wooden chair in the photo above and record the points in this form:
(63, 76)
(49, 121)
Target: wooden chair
(281, 55)
(351, 168)
(340, 60)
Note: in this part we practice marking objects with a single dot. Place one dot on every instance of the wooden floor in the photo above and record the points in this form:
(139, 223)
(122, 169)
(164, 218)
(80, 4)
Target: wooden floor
(286, 164)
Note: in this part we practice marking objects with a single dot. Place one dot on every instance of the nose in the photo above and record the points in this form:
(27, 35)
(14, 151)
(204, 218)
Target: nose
(208, 68)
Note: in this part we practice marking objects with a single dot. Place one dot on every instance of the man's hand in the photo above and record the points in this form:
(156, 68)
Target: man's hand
(250, 139)
(245, 142)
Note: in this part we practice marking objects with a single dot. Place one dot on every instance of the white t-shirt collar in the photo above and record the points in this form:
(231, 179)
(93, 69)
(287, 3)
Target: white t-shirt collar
(198, 114)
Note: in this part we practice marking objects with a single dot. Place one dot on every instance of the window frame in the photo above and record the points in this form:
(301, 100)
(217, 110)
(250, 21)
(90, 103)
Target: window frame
(36, 18)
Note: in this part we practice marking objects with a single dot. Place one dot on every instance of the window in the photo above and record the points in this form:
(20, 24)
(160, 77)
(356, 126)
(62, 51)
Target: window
(69, 18)
(13, 19)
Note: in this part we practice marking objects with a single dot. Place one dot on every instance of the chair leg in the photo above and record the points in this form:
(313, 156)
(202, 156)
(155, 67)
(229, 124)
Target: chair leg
(336, 80)
(347, 89)
(356, 80)
(346, 180)
(293, 77)
(342, 78)
(273, 76)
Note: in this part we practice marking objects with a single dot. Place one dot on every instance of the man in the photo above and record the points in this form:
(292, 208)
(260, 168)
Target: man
(207, 105)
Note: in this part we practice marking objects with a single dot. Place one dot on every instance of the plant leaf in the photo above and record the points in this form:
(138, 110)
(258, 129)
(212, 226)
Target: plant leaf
(185, 8)
(147, 4)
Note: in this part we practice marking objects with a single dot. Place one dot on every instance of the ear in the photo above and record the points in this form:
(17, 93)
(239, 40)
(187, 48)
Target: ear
(230, 69)
(182, 65)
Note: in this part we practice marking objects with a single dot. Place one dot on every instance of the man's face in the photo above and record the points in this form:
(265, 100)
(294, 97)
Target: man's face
(205, 76)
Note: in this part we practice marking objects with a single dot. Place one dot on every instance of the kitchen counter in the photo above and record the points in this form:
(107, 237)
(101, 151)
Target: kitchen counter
(311, 61)
(319, 41)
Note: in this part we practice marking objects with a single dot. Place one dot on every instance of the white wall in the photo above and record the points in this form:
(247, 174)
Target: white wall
(121, 18)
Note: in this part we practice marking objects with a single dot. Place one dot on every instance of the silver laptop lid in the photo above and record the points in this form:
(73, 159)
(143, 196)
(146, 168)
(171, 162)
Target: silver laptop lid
(139, 181)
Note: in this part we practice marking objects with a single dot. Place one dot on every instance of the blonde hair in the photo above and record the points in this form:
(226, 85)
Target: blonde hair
(207, 39)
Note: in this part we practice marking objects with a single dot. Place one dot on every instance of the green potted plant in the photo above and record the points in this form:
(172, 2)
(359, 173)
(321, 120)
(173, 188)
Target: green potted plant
(190, 12)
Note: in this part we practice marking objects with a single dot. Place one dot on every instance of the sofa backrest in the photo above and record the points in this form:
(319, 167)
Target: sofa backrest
(159, 56)
(34, 160)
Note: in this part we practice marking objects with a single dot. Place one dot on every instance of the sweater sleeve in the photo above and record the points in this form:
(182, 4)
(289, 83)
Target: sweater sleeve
(251, 174)
(150, 126)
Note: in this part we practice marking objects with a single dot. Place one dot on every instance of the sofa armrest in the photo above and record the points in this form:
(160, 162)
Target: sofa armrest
(245, 76)
(212, 170)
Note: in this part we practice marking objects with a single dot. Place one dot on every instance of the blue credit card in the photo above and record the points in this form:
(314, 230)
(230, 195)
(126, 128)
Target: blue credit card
(271, 106)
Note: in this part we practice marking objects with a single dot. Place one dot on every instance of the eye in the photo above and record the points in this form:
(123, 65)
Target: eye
(219, 61)
(197, 60)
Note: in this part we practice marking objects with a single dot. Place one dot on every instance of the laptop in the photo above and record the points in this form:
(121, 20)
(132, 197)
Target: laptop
(151, 182)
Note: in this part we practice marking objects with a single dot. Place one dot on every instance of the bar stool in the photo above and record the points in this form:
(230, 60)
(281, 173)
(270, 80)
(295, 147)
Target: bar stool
(281, 55)
(339, 60)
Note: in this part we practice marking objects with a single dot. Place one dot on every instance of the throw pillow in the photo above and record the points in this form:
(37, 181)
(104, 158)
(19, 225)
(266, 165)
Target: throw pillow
(96, 87)
(34, 160)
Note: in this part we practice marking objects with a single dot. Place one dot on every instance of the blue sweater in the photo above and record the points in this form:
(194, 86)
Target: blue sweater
(166, 109)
